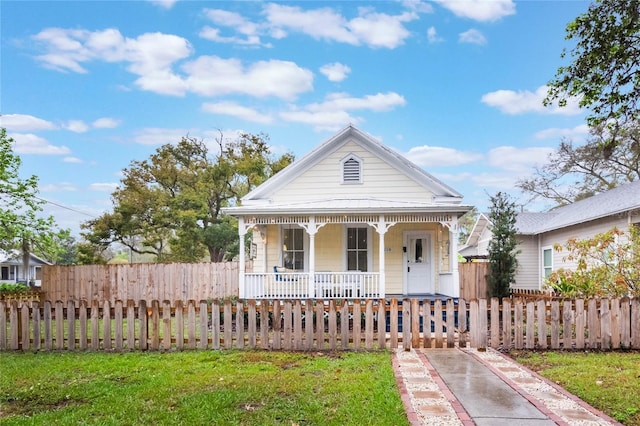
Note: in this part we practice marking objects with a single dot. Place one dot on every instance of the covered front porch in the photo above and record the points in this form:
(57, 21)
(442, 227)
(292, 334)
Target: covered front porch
(348, 255)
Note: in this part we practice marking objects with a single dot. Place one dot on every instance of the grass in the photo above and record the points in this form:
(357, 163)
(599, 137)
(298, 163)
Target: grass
(199, 387)
(609, 381)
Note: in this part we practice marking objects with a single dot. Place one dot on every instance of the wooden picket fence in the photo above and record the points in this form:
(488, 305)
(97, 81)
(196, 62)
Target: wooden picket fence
(318, 325)
(555, 324)
(141, 281)
(268, 324)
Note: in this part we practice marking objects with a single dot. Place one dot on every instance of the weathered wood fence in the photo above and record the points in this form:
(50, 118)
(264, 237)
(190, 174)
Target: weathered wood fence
(318, 325)
(276, 324)
(141, 281)
(473, 282)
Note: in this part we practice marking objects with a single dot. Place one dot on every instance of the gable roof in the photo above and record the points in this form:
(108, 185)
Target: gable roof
(621, 199)
(351, 133)
(14, 257)
(482, 222)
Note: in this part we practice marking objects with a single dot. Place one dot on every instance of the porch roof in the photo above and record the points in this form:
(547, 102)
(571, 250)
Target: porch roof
(349, 206)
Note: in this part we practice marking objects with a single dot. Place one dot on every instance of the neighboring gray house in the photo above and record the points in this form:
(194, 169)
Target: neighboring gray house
(477, 244)
(12, 271)
(539, 232)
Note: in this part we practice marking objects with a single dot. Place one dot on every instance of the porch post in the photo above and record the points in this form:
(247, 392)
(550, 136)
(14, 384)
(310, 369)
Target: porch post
(311, 229)
(242, 230)
(382, 229)
(453, 255)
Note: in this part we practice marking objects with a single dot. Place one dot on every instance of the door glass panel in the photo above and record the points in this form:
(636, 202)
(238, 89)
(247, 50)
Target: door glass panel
(417, 248)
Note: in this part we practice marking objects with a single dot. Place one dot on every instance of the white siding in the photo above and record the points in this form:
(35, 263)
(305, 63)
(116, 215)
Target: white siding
(324, 180)
(527, 274)
(582, 231)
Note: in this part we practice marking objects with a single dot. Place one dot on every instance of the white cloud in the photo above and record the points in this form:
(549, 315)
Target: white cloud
(72, 160)
(165, 4)
(58, 187)
(451, 177)
(554, 132)
(150, 56)
(480, 10)
(76, 126)
(431, 156)
(335, 71)
(105, 123)
(499, 181)
(103, 187)
(523, 101)
(28, 143)
(369, 28)
(418, 6)
(249, 30)
(24, 123)
(214, 76)
(518, 160)
(235, 110)
(159, 136)
(333, 112)
(432, 35)
(472, 36)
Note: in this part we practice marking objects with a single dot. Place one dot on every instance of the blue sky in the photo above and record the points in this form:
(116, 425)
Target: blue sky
(87, 87)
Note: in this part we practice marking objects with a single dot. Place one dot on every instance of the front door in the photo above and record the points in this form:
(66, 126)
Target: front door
(419, 263)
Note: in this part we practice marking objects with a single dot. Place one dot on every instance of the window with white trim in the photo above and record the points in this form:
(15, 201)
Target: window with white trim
(293, 248)
(547, 262)
(351, 169)
(357, 249)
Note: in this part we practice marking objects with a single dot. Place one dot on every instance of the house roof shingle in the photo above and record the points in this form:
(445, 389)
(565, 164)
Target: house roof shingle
(619, 200)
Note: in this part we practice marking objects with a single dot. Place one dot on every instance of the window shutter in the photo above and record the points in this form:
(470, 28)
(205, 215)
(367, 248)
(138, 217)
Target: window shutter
(351, 170)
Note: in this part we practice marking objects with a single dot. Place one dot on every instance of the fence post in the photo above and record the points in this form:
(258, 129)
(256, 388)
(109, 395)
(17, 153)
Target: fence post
(406, 324)
(71, 324)
(3, 325)
(393, 323)
(474, 324)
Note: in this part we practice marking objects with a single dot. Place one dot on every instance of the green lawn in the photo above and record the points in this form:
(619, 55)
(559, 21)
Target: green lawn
(199, 387)
(609, 381)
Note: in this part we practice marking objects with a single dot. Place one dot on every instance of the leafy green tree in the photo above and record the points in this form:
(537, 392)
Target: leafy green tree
(574, 172)
(170, 205)
(502, 247)
(603, 72)
(22, 226)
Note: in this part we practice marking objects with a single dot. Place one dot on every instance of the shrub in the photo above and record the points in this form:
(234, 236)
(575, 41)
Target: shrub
(607, 265)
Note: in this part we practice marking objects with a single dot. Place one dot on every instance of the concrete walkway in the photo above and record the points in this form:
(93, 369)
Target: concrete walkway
(469, 387)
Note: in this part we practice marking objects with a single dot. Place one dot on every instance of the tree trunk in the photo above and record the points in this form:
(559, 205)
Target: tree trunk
(26, 254)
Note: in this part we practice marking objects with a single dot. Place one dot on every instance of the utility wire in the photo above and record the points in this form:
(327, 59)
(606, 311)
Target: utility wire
(66, 208)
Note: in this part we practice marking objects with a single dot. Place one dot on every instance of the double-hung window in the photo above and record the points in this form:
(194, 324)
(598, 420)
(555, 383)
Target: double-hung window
(357, 249)
(293, 248)
(547, 262)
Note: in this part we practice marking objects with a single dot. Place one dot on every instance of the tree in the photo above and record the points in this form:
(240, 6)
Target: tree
(576, 172)
(466, 223)
(603, 72)
(170, 205)
(502, 247)
(21, 225)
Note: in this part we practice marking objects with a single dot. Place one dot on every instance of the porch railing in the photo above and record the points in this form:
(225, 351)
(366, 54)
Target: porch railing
(300, 285)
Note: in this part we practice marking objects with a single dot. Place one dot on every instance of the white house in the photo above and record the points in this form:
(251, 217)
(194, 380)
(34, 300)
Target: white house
(538, 233)
(352, 218)
(12, 270)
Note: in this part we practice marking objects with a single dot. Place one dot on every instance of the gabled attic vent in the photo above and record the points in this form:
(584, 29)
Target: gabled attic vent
(351, 170)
